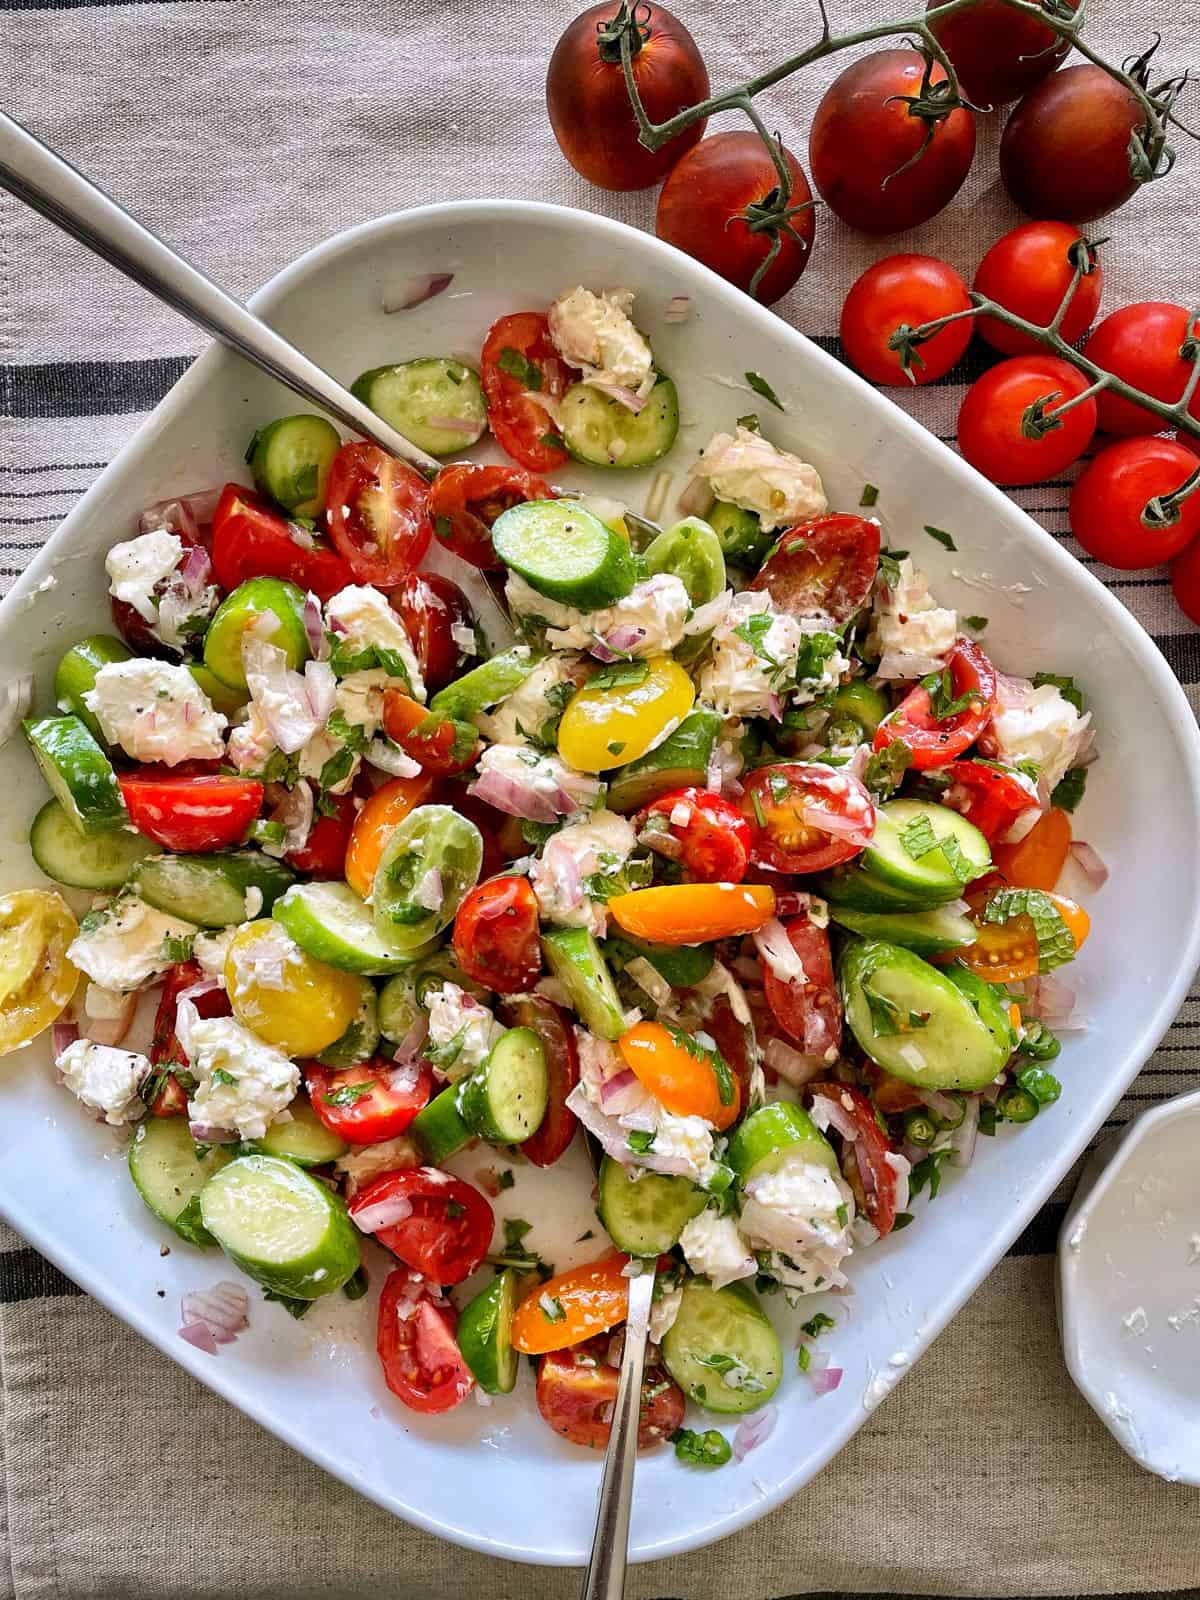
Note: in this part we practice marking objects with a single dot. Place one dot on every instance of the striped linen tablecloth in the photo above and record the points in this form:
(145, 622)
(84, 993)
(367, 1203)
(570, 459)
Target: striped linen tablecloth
(246, 131)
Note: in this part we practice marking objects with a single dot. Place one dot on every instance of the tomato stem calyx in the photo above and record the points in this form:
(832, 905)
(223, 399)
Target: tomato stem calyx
(626, 24)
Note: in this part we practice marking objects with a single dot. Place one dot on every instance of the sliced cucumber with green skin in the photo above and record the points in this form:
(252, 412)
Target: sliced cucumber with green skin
(740, 533)
(505, 1099)
(722, 1350)
(602, 432)
(682, 965)
(220, 695)
(565, 553)
(430, 839)
(361, 1039)
(681, 760)
(914, 1022)
(80, 776)
(439, 1127)
(690, 551)
(862, 702)
(644, 1216)
(305, 1139)
(283, 1228)
(290, 460)
(420, 397)
(330, 922)
(169, 1175)
(402, 999)
(928, 879)
(859, 890)
(212, 890)
(929, 933)
(574, 958)
(398, 1011)
(84, 861)
(433, 968)
(281, 604)
(484, 1335)
(485, 686)
(768, 1136)
(75, 676)
(991, 1005)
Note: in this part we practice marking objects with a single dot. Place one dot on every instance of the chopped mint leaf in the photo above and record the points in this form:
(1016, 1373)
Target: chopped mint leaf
(264, 832)
(803, 1358)
(615, 746)
(621, 675)
(707, 1449)
(552, 1308)
(760, 386)
(942, 537)
(1068, 791)
(445, 1055)
(349, 1094)
(943, 702)
(976, 624)
(178, 947)
(219, 1075)
(869, 496)
(515, 1229)
(506, 1179)
(641, 1141)
(518, 366)
(889, 565)
(351, 734)
(918, 837)
(928, 1171)
(815, 650)
(701, 1047)
(888, 1018)
(816, 1326)
(886, 768)
(754, 631)
(1067, 687)
(1055, 942)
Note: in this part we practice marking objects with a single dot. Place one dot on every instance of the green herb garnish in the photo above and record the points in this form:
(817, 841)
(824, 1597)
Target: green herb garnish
(760, 386)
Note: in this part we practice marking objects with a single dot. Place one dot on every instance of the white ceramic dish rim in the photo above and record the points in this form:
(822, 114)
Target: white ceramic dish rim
(1159, 679)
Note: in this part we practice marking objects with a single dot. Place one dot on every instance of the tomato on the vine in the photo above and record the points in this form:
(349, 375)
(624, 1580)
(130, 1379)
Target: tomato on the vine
(806, 818)
(432, 608)
(1149, 345)
(496, 935)
(1028, 272)
(519, 363)
(377, 511)
(465, 500)
(1065, 149)
(998, 426)
(999, 54)
(712, 835)
(904, 291)
(825, 567)
(937, 732)
(1113, 503)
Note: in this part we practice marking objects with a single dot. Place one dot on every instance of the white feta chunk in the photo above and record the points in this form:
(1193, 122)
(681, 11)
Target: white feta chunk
(595, 332)
(243, 1083)
(462, 1031)
(601, 845)
(156, 711)
(803, 1211)
(755, 658)
(127, 949)
(748, 471)
(1044, 728)
(537, 701)
(211, 951)
(137, 567)
(910, 632)
(105, 1079)
(363, 620)
(714, 1249)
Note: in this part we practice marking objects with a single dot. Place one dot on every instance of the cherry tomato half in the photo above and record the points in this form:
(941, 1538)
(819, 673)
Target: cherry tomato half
(904, 290)
(431, 608)
(496, 935)
(1037, 860)
(806, 817)
(518, 359)
(1111, 496)
(323, 853)
(714, 838)
(1064, 152)
(987, 796)
(687, 1084)
(808, 1009)
(876, 1186)
(422, 1364)
(442, 746)
(825, 567)
(466, 499)
(992, 421)
(999, 54)
(251, 540)
(1027, 272)
(577, 1390)
(693, 913)
(573, 1306)
(448, 1231)
(1007, 952)
(377, 510)
(554, 1028)
(370, 1102)
(1143, 344)
(191, 813)
(934, 740)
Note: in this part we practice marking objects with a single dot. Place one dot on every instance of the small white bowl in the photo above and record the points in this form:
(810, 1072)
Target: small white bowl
(1129, 1288)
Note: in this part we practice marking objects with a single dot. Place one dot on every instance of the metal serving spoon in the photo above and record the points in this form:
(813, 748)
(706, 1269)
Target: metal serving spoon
(33, 172)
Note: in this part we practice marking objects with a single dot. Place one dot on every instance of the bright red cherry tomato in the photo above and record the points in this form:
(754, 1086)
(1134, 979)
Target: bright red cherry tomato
(714, 839)
(987, 796)
(934, 740)
(904, 290)
(1065, 149)
(806, 818)
(704, 205)
(1144, 344)
(577, 1390)
(876, 1188)
(468, 497)
(864, 133)
(999, 54)
(808, 1009)
(823, 567)
(519, 360)
(191, 813)
(422, 1364)
(377, 511)
(496, 935)
(992, 421)
(431, 607)
(323, 853)
(1185, 580)
(1111, 497)
(1027, 272)
(441, 746)
(447, 1232)
(554, 1028)
(370, 1102)
(251, 540)
(589, 106)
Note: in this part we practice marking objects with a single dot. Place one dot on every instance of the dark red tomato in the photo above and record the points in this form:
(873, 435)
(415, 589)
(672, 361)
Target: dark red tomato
(553, 1028)
(1027, 272)
(876, 1187)
(734, 1040)
(999, 54)
(865, 131)
(132, 625)
(165, 1048)
(377, 512)
(807, 1009)
(713, 841)
(519, 359)
(496, 935)
(422, 1364)
(589, 105)
(431, 608)
(1111, 503)
(1065, 149)
(374, 1101)
(1185, 580)
(934, 740)
(714, 203)
(987, 796)
(995, 421)
(1144, 344)
(441, 745)
(825, 567)
(447, 1232)
(323, 853)
(192, 813)
(806, 818)
(466, 499)
(251, 540)
(577, 1389)
(904, 290)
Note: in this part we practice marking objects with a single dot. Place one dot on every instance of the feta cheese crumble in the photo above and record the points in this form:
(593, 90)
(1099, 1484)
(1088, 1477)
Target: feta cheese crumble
(105, 1079)
(803, 1212)
(595, 333)
(539, 700)
(1041, 726)
(363, 620)
(748, 471)
(137, 567)
(598, 847)
(755, 656)
(156, 711)
(910, 632)
(127, 947)
(461, 1031)
(244, 1083)
(649, 621)
(714, 1249)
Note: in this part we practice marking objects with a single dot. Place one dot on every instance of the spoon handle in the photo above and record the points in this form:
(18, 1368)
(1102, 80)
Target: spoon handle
(32, 172)
(605, 1577)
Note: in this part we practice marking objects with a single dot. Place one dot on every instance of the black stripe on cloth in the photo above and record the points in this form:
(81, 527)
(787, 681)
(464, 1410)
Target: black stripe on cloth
(75, 5)
(88, 388)
(25, 1275)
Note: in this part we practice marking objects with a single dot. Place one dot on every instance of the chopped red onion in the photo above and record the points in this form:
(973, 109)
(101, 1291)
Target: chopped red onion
(615, 391)
(830, 1113)
(697, 498)
(777, 951)
(416, 290)
(827, 1381)
(513, 798)
(621, 1094)
(223, 1310)
(185, 513)
(618, 642)
(320, 688)
(962, 1143)
(1089, 862)
(851, 828)
(679, 308)
(940, 1104)
(614, 1138)
(792, 1065)
(62, 1036)
(109, 1029)
(195, 990)
(1052, 1001)
(754, 1430)
(206, 1133)
(294, 809)
(196, 570)
(314, 628)
(16, 698)
(200, 1335)
(665, 844)
(410, 1046)
(303, 538)
(382, 1214)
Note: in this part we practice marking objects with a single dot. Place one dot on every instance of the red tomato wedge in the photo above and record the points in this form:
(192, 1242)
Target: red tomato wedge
(824, 567)
(496, 935)
(190, 813)
(807, 1009)
(988, 796)
(553, 1027)
(877, 1186)
(371, 1102)
(441, 746)
(466, 499)
(518, 360)
(711, 843)
(933, 740)
(806, 818)
(323, 853)
(431, 608)
(576, 1391)
(377, 512)
(251, 540)
(422, 1364)
(445, 1234)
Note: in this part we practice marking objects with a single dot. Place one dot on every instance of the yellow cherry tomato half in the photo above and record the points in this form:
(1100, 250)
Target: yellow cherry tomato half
(689, 1082)
(573, 1306)
(288, 998)
(1007, 952)
(693, 913)
(608, 726)
(36, 979)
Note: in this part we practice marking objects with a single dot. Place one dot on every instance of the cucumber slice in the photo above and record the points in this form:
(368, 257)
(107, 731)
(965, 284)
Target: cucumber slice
(505, 1100)
(862, 702)
(770, 1135)
(928, 879)
(361, 1039)
(169, 1175)
(574, 958)
(682, 965)
(290, 460)
(484, 686)
(430, 839)
(83, 861)
(929, 933)
(305, 1139)
(398, 1012)
(645, 1215)
(485, 1335)
(603, 433)
(853, 886)
(679, 761)
(432, 967)
(79, 774)
(914, 1022)
(439, 1127)
(692, 552)
(75, 676)
(565, 553)
(330, 921)
(213, 890)
(991, 1005)
(420, 398)
(722, 1351)
(740, 533)
(280, 604)
(284, 1229)
(220, 695)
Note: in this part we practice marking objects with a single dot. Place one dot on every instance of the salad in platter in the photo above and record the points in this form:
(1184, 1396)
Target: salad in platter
(719, 844)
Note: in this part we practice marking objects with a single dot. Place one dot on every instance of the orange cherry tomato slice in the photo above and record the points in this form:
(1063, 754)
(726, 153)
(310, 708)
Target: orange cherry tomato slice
(375, 823)
(1037, 860)
(1007, 952)
(687, 1085)
(693, 913)
(573, 1306)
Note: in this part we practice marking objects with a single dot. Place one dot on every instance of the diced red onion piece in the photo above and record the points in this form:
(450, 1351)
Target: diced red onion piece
(416, 290)
(195, 990)
(200, 1335)
(382, 1214)
(851, 829)
(679, 309)
(294, 809)
(830, 1113)
(224, 1310)
(754, 1430)
(410, 1045)
(778, 953)
(791, 1064)
(314, 628)
(940, 1104)
(110, 1030)
(63, 1035)
(827, 1381)
(1089, 862)
(615, 391)
(206, 1133)
(320, 689)
(195, 570)
(513, 798)
(621, 1093)
(774, 707)
(696, 499)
